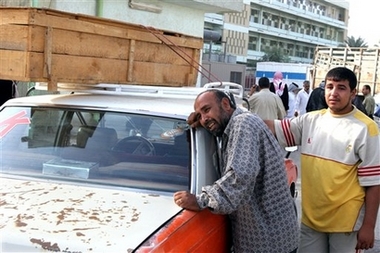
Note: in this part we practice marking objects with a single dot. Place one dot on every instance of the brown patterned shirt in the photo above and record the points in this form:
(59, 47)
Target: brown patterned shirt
(253, 188)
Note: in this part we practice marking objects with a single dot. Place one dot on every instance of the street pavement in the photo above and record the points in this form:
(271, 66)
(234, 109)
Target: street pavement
(295, 156)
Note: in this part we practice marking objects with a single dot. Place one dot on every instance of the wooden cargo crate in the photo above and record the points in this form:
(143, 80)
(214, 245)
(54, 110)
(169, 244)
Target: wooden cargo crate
(365, 62)
(43, 45)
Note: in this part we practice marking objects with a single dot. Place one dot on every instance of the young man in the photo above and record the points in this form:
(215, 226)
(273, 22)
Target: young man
(266, 104)
(253, 187)
(340, 165)
(369, 101)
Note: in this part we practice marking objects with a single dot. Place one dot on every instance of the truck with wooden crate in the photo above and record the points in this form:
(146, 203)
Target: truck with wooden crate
(45, 45)
(365, 62)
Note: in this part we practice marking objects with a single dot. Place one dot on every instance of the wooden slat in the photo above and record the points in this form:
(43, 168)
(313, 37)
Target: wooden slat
(131, 59)
(14, 37)
(162, 74)
(12, 65)
(15, 16)
(48, 53)
(75, 69)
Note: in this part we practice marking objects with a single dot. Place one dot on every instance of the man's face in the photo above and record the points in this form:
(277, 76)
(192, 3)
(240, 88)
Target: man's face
(365, 91)
(212, 114)
(339, 96)
(306, 86)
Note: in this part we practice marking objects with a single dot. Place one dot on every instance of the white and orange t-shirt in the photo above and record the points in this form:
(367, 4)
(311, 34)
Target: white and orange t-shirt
(340, 155)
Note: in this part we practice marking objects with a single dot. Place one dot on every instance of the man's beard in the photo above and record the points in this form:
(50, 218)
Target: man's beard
(223, 121)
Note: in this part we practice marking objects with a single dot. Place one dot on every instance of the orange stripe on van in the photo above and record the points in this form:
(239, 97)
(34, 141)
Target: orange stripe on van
(195, 232)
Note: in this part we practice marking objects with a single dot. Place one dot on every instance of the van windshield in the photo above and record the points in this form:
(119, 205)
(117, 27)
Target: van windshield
(100, 147)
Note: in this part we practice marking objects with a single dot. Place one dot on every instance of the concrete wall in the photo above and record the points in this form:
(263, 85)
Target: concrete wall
(222, 71)
(171, 17)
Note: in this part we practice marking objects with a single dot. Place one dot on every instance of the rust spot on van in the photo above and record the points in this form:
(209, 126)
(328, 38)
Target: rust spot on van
(19, 223)
(46, 245)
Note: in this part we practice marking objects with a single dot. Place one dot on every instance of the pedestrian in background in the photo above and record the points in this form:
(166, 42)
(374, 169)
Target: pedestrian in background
(8, 90)
(340, 164)
(293, 91)
(266, 104)
(317, 99)
(279, 87)
(253, 188)
(368, 102)
(302, 99)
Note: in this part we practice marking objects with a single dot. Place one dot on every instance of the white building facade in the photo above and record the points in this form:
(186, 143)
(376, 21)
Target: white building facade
(296, 27)
(185, 17)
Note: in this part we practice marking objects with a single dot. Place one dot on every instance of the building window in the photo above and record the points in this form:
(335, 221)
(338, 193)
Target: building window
(251, 63)
(283, 23)
(254, 16)
(273, 43)
(298, 52)
(276, 21)
(252, 43)
(267, 19)
(290, 49)
(292, 25)
(235, 77)
(265, 45)
(305, 52)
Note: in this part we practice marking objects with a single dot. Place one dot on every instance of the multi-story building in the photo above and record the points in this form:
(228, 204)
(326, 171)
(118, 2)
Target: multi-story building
(294, 27)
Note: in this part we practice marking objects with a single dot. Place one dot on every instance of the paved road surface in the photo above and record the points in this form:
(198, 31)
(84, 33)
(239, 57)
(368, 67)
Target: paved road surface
(296, 158)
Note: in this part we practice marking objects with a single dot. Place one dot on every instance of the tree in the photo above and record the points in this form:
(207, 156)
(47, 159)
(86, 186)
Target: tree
(351, 41)
(275, 54)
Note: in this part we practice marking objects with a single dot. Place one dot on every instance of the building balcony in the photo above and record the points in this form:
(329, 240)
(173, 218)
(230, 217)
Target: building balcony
(305, 13)
(288, 34)
(214, 18)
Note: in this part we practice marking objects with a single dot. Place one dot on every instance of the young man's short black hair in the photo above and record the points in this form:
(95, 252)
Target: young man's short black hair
(341, 74)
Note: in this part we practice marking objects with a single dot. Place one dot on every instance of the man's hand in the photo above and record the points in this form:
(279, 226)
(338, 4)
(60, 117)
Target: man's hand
(252, 90)
(366, 238)
(366, 234)
(193, 120)
(186, 200)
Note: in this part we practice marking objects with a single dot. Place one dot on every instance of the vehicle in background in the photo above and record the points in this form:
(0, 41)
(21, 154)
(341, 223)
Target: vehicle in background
(362, 61)
(292, 72)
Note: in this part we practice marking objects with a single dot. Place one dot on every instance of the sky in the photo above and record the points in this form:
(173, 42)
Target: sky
(364, 20)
